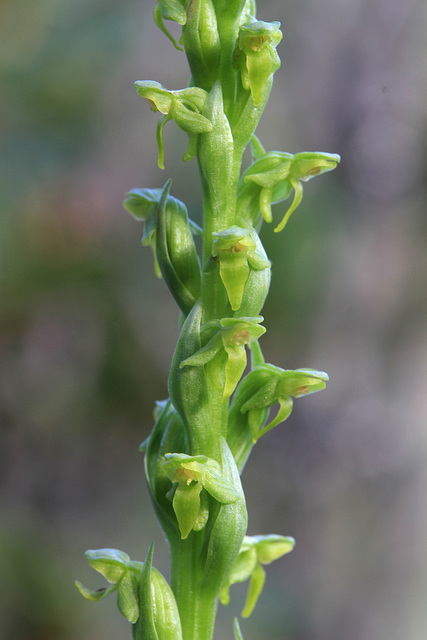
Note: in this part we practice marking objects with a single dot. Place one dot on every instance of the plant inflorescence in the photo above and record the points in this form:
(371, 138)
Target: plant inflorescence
(206, 429)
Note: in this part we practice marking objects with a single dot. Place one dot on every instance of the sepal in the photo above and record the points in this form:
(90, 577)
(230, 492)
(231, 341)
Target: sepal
(173, 10)
(97, 594)
(110, 563)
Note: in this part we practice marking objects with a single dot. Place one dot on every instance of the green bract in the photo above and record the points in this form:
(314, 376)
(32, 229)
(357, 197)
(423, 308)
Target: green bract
(159, 616)
(169, 434)
(169, 232)
(202, 43)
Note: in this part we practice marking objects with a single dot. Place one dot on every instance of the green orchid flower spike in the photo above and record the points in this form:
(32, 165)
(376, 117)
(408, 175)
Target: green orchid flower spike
(192, 474)
(239, 251)
(205, 430)
(227, 340)
(273, 176)
(259, 58)
(255, 552)
(183, 106)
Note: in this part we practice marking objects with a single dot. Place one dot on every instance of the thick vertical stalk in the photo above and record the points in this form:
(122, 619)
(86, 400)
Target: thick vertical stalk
(197, 608)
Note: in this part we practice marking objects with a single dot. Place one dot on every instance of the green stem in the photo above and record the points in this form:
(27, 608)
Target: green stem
(197, 607)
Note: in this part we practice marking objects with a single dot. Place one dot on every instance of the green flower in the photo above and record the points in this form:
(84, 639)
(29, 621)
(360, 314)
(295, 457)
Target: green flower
(227, 340)
(259, 59)
(123, 575)
(183, 106)
(279, 386)
(255, 552)
(271, 178)
(239, 251)
(192, 474)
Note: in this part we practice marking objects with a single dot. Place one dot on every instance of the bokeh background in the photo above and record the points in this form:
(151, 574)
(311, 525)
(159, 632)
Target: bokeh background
(87, 331)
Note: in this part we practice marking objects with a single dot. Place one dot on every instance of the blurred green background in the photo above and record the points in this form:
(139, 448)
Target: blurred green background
(87, 331)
